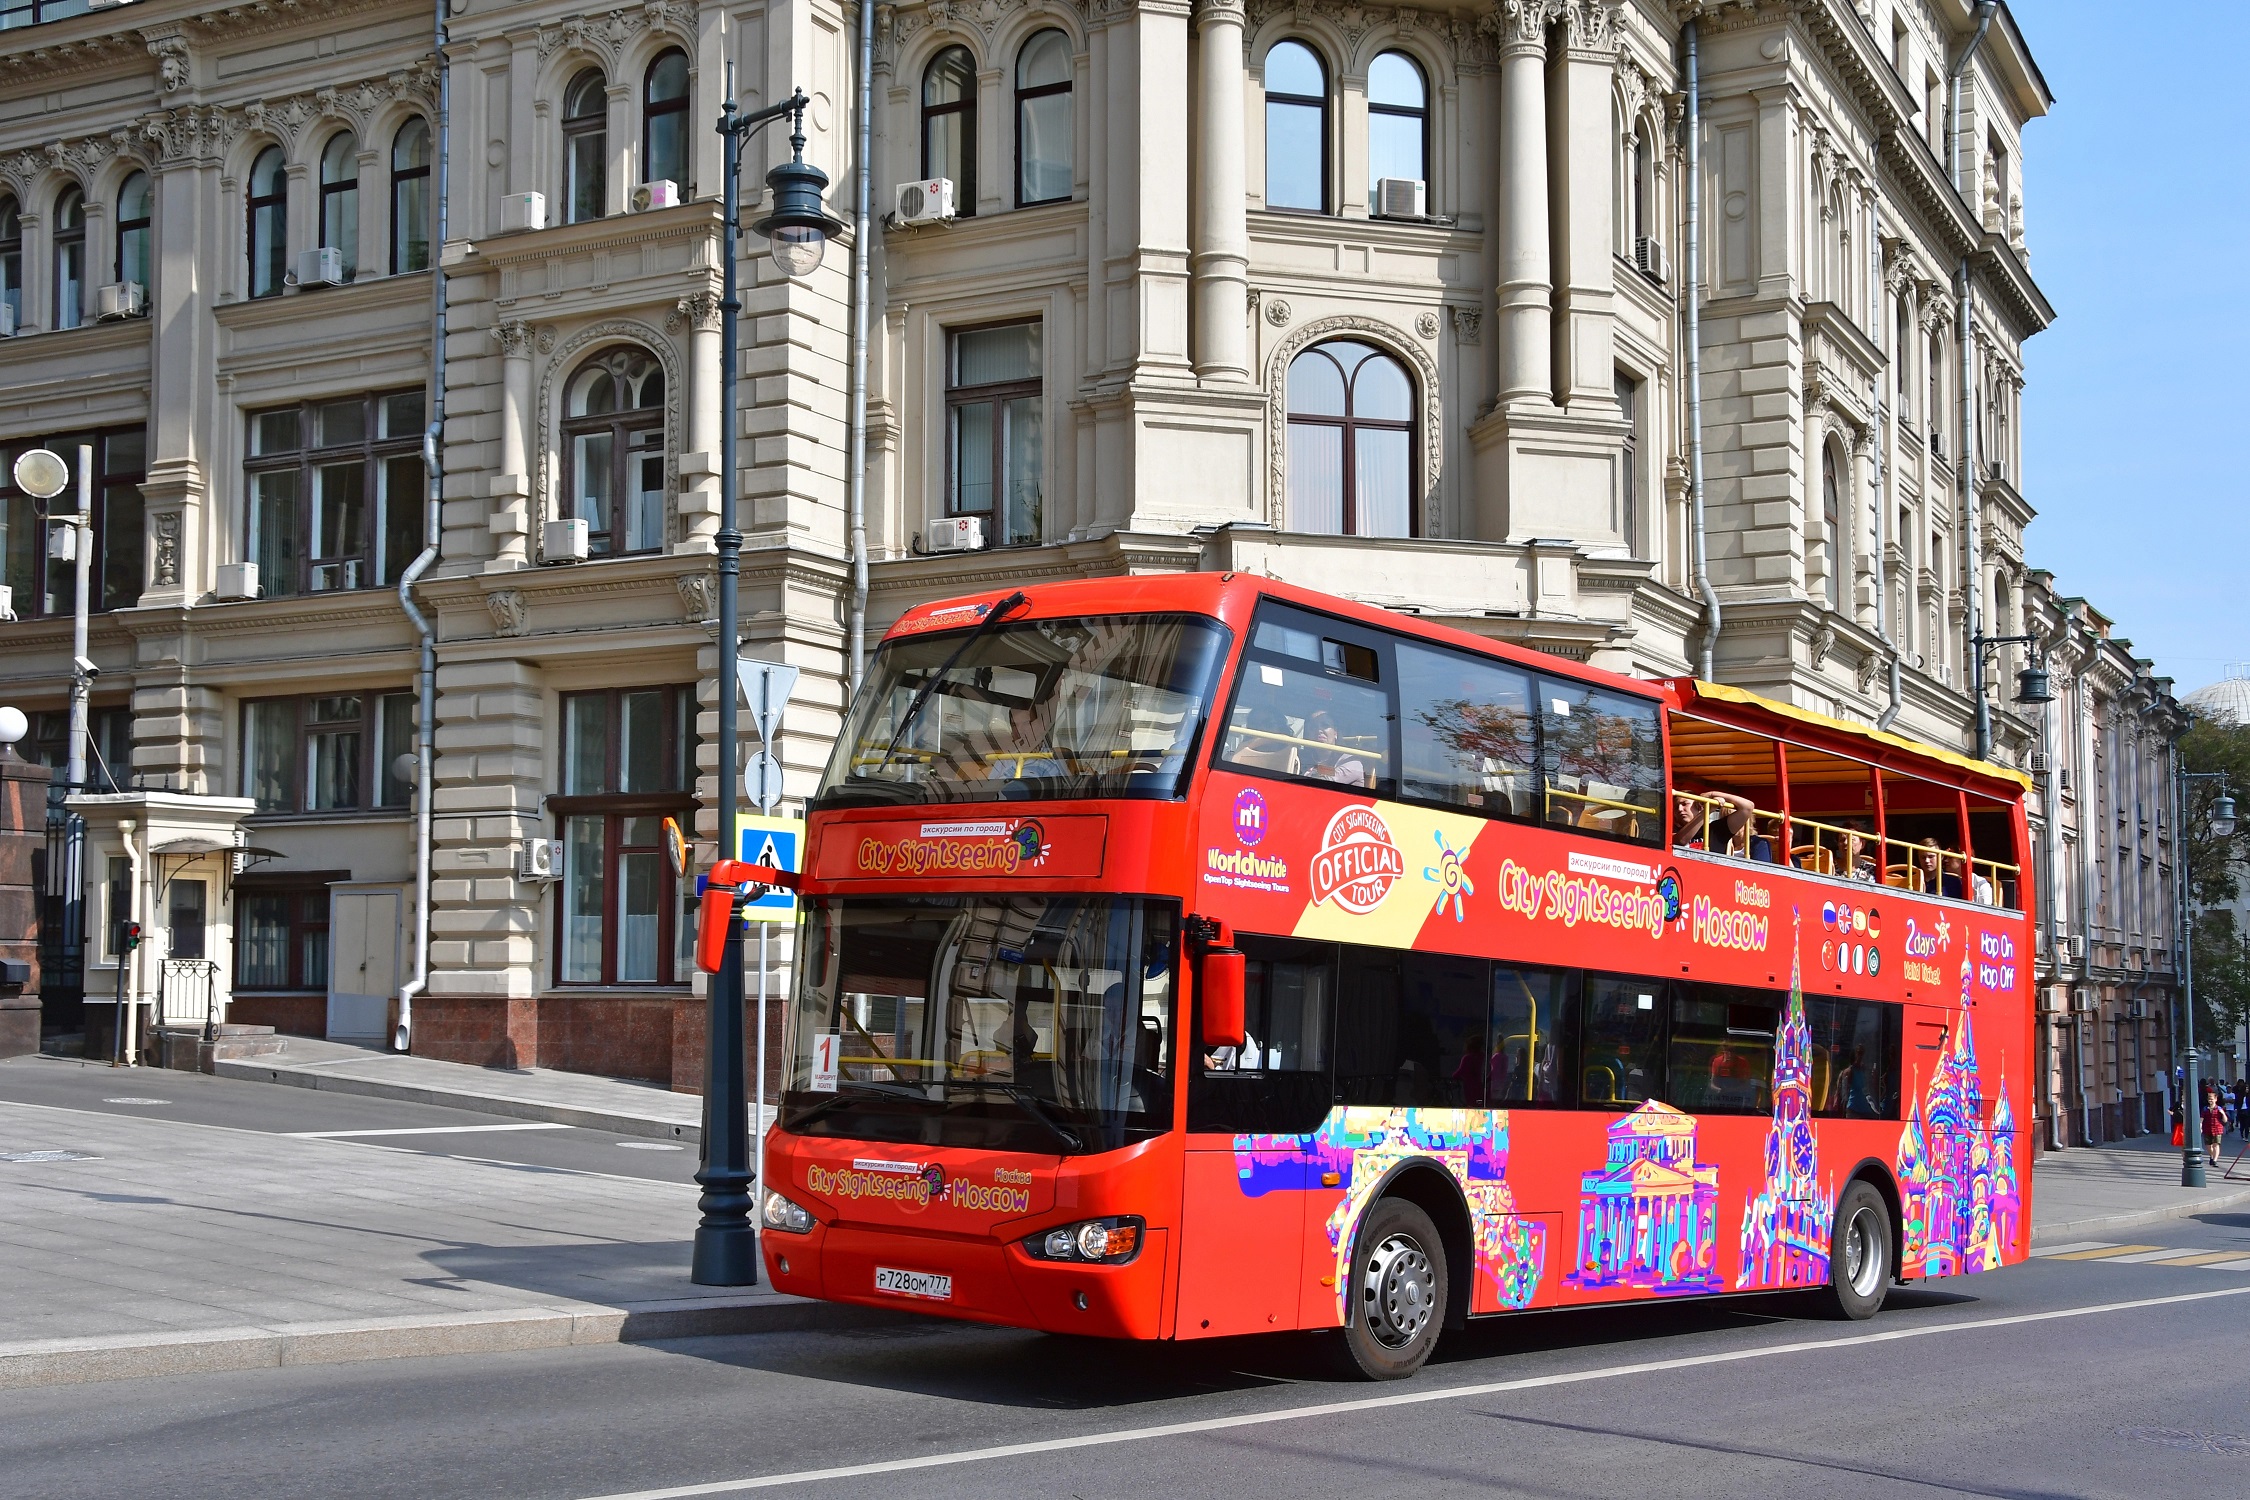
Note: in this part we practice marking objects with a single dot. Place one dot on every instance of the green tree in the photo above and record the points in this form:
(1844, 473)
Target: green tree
(2216, 868)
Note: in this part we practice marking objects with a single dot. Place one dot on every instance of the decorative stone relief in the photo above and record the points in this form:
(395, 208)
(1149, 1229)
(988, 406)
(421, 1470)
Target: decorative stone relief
(698, 310)
(544, 337)
(1864, 676)
(164, 567)
(1427, 325)
(1470, 43)
(607, 36)
(1277, 312)
(1823, 641)
(1468, 324)
(1590, 25)
(698, 596)
(1391, 341)
(172, 60)
(508, 614)
(514, 337)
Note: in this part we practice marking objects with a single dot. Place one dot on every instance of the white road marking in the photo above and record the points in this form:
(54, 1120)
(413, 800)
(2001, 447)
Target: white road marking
(2170, 1252)
(353, 1135)
(2227, 1265)
(1378, 1403)
(2070, 1249)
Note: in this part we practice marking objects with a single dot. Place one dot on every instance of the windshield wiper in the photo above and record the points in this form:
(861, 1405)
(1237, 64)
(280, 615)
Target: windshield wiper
(846, 1089)
(930, 683)
(1033, 1107)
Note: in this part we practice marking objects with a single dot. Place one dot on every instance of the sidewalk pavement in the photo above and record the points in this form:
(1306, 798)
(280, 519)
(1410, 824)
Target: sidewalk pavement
(139, 1246)
(2090, 1189)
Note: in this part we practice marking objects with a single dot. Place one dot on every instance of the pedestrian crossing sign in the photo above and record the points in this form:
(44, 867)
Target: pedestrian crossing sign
(778, 842)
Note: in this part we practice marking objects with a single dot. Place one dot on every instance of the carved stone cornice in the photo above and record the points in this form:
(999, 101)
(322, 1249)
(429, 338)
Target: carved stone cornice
(607, 34)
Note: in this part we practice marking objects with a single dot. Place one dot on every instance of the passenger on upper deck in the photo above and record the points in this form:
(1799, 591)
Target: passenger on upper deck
(1337, 765)
(1858, 862)
(1694, 813)
(1940, 870)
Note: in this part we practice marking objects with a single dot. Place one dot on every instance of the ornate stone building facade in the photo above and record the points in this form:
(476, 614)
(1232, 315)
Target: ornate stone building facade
(1385, 299)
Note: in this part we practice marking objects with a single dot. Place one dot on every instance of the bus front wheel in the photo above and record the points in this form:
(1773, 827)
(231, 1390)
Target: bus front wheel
(1398, 1288)
(1859, 1253)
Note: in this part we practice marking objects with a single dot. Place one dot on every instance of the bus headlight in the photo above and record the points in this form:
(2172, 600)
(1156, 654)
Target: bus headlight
(782, 1214)
(1108, 1242)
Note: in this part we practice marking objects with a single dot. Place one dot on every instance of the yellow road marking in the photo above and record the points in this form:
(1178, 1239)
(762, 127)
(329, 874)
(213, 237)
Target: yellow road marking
(2104, 1254)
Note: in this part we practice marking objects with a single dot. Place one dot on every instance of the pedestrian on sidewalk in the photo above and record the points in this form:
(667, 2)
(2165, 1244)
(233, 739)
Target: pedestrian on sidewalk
(2214, 1124)
(2242, 1106)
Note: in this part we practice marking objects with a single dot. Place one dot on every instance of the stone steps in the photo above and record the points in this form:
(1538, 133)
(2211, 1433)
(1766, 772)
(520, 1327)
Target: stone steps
(183, 1049)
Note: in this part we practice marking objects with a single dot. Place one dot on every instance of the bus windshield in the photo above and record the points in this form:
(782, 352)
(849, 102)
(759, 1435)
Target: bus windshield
(1018, 1022)
(1088, 706)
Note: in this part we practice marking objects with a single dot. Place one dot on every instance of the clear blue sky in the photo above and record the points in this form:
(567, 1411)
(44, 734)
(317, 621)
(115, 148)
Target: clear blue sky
(2137, 215)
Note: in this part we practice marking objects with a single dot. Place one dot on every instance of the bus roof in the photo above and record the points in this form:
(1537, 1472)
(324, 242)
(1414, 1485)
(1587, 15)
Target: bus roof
(1232, 596)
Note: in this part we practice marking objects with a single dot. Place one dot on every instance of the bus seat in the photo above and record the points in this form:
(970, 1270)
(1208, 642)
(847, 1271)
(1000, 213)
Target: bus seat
(1813, 857)
(1902, 877)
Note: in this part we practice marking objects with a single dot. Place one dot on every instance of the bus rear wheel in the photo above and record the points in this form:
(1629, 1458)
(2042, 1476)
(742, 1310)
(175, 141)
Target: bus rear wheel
(1859, 1253)
(1396, 1297)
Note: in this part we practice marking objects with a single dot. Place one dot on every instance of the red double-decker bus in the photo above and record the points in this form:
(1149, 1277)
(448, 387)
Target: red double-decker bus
(1201, 956)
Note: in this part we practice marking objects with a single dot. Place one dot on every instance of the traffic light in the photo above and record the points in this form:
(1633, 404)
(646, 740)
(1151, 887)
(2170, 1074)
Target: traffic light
(132, 936)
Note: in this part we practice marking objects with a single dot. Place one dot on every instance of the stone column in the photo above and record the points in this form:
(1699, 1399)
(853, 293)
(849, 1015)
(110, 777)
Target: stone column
(1221, 261)
(1586, 281)
(1522, 297)
(699, 460)
(511, 487)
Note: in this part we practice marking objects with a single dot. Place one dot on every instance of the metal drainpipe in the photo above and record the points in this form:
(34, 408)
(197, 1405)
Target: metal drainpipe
(1972, 531)
(1694, 336)
(857, 479)
(425, 708)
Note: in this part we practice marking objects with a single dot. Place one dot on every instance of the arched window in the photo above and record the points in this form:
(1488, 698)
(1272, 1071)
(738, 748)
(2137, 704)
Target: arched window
(1351, 442)
(339, 198)
(11, 258)
(585, 128)
(1831, 527)
(949, 125)
(410, 197)
(613, 442)
(1296, 129)
(268, 206)
(70, 258)
(1398, 124)
(1899, 347)
(133, 202)
(1043, 139)
(664, 122)
(1934, 414)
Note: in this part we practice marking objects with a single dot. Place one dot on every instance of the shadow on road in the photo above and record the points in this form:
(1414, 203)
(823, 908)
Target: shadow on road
(1016, 1368)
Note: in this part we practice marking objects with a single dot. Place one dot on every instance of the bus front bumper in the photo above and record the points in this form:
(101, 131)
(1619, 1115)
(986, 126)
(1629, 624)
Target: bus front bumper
(984, 1281)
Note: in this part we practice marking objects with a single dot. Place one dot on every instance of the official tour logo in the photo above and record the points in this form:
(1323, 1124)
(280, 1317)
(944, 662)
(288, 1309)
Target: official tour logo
(1358, 862)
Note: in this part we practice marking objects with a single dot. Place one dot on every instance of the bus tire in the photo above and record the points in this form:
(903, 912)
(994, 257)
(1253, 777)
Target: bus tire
(1859, 1253)
(1395, 1307)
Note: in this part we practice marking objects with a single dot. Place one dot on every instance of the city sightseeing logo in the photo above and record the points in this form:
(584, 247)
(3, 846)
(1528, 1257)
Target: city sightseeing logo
(1358, 862)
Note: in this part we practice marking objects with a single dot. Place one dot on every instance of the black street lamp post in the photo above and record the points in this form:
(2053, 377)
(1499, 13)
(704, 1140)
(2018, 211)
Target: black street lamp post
(2191, 1089)
(726, 1238)
(2033, 686)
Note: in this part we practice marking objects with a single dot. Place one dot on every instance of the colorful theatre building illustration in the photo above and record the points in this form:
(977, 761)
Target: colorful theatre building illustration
(1958, 1188)
(1648, 1217)
(1788, 1224)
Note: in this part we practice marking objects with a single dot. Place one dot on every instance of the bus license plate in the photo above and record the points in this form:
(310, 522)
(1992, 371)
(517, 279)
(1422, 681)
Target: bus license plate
(928, 1284)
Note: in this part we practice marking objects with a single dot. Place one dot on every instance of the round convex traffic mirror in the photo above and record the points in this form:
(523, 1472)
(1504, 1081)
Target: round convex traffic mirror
(42, 472)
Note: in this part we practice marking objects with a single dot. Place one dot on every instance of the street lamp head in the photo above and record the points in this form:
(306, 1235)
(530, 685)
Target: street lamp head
(2222, 816)
(799, 228)
(41, 472)
(2032, 686)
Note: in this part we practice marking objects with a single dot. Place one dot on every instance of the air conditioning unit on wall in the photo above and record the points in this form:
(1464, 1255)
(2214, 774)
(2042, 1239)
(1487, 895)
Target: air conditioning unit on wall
(565, 541)
(125, 299)
(957, 534)
(323, 266)
(535, 860)
(1648, 257)
(522, 211)
(237, 581)
(1402, 198)
(662, 193)
(929, 201)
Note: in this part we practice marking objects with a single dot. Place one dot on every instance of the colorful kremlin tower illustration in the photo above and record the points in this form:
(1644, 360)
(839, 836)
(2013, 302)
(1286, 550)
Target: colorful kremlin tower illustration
(1958, 1187)
(1787, 1226)
(1649, 1216)
(1360, 1145)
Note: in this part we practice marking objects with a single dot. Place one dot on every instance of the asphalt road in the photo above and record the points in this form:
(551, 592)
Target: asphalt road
(378, 1124)
(2058, 1378)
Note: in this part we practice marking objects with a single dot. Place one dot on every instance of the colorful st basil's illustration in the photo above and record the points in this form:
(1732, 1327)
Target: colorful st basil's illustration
(1958, 1188)
(1359, 1146)
(1788, 1224)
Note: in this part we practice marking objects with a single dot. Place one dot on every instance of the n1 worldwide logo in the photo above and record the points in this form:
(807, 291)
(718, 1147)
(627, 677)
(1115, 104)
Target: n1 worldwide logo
(1358, 862)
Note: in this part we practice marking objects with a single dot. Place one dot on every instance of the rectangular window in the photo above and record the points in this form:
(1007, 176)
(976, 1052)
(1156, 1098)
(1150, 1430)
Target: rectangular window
(627, 758)
(183, 919)
(46, 586)
(1277, 1081)
(1855, 1058)
(1621, 1040)
(1533, 1042)
(1720, 1057)
(328, 752)
(1627, 518)
(1470, 738)
(109, 745)
(1603, 758)
(281, 936)
(1310, 702)
(995, 444)
(335, 493)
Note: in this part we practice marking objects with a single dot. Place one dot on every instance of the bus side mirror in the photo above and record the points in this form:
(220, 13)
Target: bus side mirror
(714, 925)
(1221, 1007)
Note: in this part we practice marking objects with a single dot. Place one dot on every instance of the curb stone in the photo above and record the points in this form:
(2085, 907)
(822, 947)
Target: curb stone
(45, 1362)
(491, 1104)
(2079, 1228)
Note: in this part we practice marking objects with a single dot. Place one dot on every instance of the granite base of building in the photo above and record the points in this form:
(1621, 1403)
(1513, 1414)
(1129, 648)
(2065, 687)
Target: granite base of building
(654, 1038)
